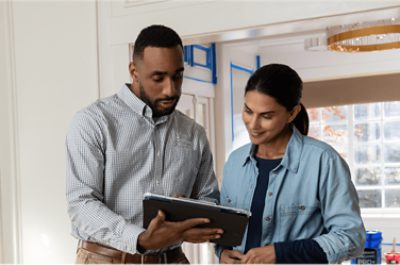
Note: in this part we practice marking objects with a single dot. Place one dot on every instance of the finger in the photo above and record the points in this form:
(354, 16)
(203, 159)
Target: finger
(157, 220)
(199, 239)
(236, 255)
(206, 231)
(203, 234)
(189, 223)
(161, 215)
(235, 261)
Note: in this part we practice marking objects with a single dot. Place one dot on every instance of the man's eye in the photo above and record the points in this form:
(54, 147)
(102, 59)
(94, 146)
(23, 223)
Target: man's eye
(267, 117)
(158, 78)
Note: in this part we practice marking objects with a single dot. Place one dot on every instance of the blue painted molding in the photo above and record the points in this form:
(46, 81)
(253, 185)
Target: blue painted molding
(197, 79)
(243, 69)
(210, 59)
(258, 61)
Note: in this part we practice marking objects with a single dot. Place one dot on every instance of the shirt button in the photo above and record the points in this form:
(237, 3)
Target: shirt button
(302, 207)
(158, 153)
(268, 218)
(269, 194)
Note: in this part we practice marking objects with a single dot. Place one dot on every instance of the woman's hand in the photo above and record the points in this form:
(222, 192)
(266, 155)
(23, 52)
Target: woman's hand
(260, 255)
(230, 256)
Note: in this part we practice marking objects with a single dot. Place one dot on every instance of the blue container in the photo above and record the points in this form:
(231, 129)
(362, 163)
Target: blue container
(372, 253)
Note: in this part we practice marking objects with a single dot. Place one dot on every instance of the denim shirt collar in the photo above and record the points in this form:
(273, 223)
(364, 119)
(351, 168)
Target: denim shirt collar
(291, 159)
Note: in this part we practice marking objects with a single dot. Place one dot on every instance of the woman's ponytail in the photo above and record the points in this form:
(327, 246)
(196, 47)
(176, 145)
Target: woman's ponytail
(302, 121)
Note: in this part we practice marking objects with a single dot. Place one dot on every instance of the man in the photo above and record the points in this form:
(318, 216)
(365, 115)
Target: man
(135, 142)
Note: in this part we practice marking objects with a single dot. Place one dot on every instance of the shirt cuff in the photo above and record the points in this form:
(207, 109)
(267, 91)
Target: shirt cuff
(129, 237)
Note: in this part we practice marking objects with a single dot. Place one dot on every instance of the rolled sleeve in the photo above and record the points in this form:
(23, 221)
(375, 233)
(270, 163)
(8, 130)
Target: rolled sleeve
(341, 213)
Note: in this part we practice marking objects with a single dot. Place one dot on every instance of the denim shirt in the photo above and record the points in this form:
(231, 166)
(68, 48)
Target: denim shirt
(310, 196)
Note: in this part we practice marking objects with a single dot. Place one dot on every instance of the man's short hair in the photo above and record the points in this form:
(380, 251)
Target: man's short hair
(156, 36)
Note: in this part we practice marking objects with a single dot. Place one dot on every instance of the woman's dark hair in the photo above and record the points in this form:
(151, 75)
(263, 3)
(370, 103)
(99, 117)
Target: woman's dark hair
(155, 36)
(283, 84)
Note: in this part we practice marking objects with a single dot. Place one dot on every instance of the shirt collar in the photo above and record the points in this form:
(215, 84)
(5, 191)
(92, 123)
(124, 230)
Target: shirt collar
(137, 105)
(290, 160)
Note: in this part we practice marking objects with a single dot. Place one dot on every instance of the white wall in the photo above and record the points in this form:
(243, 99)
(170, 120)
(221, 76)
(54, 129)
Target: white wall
(55, 70)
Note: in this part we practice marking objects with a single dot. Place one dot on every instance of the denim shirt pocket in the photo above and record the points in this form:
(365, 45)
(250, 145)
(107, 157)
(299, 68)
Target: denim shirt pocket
(297, 220)
(298, 209)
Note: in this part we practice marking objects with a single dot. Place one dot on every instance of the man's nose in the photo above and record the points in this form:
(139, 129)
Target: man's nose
(169, 87)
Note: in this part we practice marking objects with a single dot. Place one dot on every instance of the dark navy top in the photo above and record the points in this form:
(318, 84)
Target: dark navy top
(254, 230)
(299, 251)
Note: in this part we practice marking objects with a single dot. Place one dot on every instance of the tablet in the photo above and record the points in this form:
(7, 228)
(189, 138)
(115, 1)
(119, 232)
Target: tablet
(232, 220)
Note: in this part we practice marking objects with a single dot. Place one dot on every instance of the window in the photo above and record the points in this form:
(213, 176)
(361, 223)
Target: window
(368, 137)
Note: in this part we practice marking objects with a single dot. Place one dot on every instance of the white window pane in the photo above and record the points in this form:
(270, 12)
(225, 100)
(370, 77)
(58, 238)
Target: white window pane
(392, 109)
(392, 175)
(335, 134)
(314, 131)
(368, 176)
(314, 114)
(392, 152)
(392, 131)
(335, 114)
(367, 132)
(367, 154)
(392, 198)
(367, 111)
(370, 198)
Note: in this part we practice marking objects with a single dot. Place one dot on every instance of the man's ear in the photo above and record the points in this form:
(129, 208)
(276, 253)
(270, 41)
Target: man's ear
(293, 113)
(133, 71)
(134, 74)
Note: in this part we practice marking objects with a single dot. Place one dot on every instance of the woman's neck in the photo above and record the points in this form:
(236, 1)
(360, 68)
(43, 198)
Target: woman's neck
(275, 149)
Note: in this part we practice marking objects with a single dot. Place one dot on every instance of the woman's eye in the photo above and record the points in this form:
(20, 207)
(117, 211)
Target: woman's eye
(246, 110)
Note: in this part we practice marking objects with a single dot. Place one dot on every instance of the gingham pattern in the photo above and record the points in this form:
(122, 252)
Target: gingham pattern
(116, 152)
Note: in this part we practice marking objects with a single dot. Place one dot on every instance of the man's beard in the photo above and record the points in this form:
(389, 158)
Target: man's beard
(153, 105)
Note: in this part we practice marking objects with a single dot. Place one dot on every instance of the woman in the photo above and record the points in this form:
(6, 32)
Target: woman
(299, 190)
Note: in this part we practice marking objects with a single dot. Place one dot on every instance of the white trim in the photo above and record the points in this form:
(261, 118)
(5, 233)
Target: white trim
(11, 215)
(212, 131)
(380, 213)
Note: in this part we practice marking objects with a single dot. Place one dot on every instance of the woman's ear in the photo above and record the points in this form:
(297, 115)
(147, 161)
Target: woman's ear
(293, 113)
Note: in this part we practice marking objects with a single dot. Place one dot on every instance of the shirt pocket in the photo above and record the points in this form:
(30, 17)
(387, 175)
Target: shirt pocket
(181, 167)
(298, 209)
(184, 155)
(298, 220)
